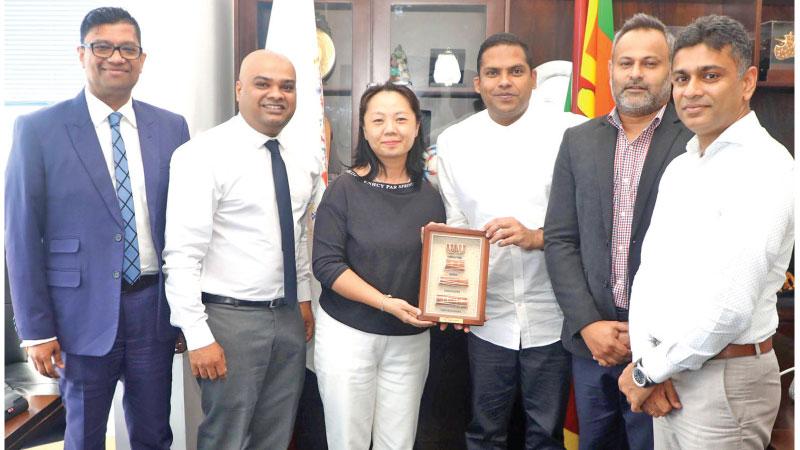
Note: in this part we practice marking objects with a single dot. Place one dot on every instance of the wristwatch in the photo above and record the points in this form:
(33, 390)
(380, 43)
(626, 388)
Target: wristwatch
(639, 377)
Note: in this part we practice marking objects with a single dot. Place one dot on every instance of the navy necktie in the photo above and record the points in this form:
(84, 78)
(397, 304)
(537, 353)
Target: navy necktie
(284, 199)
(131, 268)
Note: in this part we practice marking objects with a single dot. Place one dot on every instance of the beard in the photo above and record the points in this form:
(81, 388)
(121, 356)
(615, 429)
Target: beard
(642, 105)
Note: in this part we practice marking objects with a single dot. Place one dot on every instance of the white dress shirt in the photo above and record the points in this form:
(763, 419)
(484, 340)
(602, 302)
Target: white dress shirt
(223, 235)
(716, 251)
(488, 171)
(99, 112)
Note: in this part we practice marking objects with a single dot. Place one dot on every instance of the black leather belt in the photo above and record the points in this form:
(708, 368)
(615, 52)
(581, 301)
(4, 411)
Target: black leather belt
(144, 281)
(222, 300)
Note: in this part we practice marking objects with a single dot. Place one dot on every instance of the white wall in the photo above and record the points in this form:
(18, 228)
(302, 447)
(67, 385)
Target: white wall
(189, 66)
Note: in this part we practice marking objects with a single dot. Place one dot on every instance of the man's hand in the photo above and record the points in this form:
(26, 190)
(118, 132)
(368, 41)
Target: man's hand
(46, 357)
(662, 401)
(180, 343)
(508, 231)
(457, 326)
(208, 362)
(308, 319)
(608, 341)
(636, 395)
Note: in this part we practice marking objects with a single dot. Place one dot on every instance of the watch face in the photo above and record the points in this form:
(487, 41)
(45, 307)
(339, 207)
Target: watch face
(638, 377)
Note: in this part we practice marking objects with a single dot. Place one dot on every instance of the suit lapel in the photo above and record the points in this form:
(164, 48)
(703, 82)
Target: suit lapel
(85, 143)
(604, 170)
(151, 158)
(660, 147)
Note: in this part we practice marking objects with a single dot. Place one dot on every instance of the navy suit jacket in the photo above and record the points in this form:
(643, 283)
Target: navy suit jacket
(578, 225)
(62, 220)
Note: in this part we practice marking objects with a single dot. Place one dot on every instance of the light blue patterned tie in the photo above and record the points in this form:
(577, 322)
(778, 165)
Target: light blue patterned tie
(130, 266)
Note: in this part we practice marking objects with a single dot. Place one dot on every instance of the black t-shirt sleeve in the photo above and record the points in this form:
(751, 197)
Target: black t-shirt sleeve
(330, 235)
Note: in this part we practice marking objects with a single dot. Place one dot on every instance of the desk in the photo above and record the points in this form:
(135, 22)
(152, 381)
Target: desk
(42, 410)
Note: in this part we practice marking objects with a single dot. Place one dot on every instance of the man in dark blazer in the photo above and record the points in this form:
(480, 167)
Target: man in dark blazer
(86, 188)
(604, 188)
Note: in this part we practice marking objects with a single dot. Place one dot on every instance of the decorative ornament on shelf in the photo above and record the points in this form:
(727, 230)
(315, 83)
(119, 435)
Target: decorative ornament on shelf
(446, 70)
(398, 67)
(327, 51)
(784, 49)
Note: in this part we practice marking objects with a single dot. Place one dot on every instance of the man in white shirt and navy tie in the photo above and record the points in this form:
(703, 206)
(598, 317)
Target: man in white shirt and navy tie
(495, 169)
(703, 303)
(237, 263)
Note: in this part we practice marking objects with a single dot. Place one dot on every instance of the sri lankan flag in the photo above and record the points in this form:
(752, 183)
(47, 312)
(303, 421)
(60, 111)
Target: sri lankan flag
(590, 93)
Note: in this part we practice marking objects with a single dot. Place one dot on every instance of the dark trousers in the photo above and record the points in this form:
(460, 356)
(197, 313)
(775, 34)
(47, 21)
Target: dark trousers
(605, 419)
(144, 365)
(496, 373)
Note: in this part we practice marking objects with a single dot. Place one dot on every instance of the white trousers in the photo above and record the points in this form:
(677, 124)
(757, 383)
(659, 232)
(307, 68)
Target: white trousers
(370, 384)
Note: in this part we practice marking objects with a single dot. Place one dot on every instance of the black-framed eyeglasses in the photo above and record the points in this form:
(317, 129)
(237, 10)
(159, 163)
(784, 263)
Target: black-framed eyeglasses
(103, 49)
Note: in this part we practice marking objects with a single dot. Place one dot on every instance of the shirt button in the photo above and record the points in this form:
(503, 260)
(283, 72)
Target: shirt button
(621, 248)
(116, 274)
(626, 180)
(623, 214)
(117, 237)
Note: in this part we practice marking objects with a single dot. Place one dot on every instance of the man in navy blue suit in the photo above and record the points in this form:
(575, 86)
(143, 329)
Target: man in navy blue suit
(86, 188)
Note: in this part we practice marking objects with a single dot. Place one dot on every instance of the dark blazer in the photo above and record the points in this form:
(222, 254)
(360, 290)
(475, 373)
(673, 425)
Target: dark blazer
(577, 229)
(63, 224)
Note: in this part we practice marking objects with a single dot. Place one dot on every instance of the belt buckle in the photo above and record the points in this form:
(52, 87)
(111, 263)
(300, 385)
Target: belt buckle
(272, 304)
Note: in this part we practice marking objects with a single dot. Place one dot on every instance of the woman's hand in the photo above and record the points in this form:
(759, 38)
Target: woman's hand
(405, 312)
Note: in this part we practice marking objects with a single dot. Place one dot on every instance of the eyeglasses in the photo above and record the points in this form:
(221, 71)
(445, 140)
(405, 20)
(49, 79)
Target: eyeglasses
(103, 49)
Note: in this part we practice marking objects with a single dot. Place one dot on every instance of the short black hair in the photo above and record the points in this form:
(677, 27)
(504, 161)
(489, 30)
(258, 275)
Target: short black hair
(642, 21)
(505, 39)
(365, 156)
(718, 32)
(108, 15)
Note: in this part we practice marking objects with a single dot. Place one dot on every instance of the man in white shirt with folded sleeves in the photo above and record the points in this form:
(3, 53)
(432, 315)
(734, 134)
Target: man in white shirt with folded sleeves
(495, 169)
(703, 303)
(237, 265)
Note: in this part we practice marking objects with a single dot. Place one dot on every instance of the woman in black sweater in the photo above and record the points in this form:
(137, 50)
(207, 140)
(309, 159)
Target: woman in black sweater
(371, 351)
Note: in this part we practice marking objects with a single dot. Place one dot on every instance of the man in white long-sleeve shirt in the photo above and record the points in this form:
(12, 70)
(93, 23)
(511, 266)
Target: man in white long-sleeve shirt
(703, 303)
(495, 169)
(237, 265)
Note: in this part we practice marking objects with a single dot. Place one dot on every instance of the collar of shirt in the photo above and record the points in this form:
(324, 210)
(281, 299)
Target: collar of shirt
(613, 119)
(255, 138)
(737, 133)
(99, 110)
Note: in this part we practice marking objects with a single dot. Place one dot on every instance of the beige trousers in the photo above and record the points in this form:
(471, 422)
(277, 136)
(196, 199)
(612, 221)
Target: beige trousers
(727, 404)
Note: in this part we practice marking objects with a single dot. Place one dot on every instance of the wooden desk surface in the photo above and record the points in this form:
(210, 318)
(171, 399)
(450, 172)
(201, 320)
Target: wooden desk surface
(40, 409)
